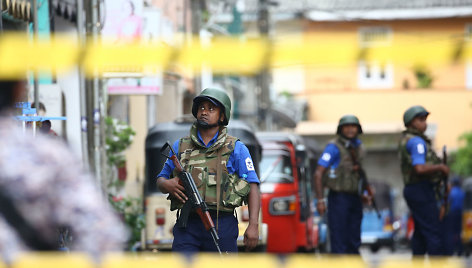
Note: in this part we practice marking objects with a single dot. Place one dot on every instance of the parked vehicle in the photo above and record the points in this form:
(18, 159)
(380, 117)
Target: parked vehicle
(159, 219)
(286, 190)
(467, 216)
(380, 232)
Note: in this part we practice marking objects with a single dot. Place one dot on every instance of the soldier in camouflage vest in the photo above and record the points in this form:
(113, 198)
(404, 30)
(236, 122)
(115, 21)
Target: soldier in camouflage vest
(224, 174)
(421, 169)
(338, 170)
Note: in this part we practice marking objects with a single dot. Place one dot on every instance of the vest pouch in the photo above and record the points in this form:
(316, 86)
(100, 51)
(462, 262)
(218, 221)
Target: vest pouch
(235, 191)
(210, 191)
(200, 177)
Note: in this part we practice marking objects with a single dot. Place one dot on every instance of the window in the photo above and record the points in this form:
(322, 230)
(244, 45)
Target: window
(374, 36)
(468, 32)
(276, 167)
(374, 76)
(371, 75)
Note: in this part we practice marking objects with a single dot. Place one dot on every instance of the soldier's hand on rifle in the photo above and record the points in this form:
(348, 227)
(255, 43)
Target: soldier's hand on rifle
(251, 236)
(321, 207)
(173, 187)
(444, 169)
(366, 199)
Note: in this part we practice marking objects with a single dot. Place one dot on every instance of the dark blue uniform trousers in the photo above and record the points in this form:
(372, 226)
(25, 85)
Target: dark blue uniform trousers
(196, 238)
(422, 202)
(344, 221)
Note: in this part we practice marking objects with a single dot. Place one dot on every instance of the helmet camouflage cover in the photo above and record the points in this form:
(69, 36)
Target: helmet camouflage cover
(216, 96)
(413, 112)
(349, 119)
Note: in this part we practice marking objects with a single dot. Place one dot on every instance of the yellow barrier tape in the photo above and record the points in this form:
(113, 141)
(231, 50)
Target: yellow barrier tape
(300, 261)
(225, 55)
(432, 262)
(18, 54)
(103, 58)
(235, 261)
(143, 261)
(53, 260)
(208, 260)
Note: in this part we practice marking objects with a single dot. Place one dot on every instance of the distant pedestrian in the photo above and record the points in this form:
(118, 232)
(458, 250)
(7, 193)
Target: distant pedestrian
(338, 169)
(45, 125)
(40, 110)
(453, 220)
(421, 169)
(43, 188)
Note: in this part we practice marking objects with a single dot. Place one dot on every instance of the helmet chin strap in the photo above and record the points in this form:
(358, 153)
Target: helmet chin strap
(205, 125)
(342, 135)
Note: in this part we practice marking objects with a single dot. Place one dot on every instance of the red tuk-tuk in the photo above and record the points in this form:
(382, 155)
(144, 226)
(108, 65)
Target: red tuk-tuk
(286, 193)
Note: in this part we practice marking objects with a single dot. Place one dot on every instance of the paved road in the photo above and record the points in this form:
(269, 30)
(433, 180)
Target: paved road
(384, 253)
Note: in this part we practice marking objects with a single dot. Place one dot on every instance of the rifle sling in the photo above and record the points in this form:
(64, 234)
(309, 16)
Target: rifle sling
(355, 162)
(218, 187)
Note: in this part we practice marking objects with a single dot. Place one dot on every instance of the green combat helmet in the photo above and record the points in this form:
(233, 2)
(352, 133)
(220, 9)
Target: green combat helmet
(349, 119)
(413, 112)
(217, 97)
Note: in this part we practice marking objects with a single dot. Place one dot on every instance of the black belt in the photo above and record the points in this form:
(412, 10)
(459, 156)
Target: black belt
(213, 213)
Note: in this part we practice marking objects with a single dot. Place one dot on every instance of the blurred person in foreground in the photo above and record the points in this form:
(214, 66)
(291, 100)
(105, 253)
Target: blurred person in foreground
(43, 188)
(213, 157)
(421, 169)
(338, 169)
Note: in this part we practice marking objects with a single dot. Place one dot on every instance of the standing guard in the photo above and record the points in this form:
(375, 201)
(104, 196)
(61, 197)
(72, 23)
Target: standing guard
(422, 170)
(338, 169)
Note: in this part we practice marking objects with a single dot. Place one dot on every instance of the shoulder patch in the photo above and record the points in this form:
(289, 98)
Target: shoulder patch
(249, 164)
(326, 157)
(420, 148)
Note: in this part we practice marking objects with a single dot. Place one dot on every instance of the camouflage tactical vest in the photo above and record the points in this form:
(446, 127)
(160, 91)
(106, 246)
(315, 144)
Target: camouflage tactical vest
(409, 176)
(343, 178)
(202, 163)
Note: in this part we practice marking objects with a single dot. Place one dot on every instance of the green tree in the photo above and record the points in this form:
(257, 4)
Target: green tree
(119, 137)
(423, 76)
(462, 164)
(131, 213)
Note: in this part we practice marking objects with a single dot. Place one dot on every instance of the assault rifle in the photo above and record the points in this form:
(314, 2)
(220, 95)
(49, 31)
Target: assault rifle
(364, 183)
(194, 202)
(445, 194)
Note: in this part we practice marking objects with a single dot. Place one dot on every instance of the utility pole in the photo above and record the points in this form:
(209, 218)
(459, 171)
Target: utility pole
(94, 100)
(196, 8)
(263, 22)
(81, 29)
(35, 38)
(1, 17)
